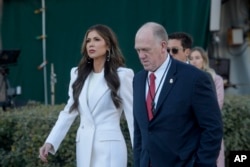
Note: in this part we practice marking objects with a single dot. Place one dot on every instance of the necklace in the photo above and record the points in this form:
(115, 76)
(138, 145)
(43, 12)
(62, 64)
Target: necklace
(153, 97)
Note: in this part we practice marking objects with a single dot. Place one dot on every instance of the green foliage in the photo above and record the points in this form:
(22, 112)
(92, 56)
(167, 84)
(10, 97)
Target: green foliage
(24, 130)
(236, 118)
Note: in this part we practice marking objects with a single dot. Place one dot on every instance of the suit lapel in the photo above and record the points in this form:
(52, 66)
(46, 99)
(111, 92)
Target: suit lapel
(96, 96)
(141, 95)
(100, 88)
(168, 84)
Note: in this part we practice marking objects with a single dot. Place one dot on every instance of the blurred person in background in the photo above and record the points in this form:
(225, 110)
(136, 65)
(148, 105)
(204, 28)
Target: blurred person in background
(179, 45)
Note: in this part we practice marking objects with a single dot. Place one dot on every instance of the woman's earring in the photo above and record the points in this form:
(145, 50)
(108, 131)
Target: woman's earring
(108, 56)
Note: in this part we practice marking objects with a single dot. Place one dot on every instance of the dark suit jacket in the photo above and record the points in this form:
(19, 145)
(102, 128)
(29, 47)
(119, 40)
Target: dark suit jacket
(186, 130)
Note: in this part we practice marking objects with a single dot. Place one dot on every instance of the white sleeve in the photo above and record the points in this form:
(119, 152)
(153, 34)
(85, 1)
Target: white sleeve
(65, 119)
(126, 93)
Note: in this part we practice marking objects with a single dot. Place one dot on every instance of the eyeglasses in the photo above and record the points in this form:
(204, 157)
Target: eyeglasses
(174, 50)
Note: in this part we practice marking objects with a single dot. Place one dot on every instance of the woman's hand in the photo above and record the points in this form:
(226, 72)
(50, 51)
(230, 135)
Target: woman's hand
(44, 150)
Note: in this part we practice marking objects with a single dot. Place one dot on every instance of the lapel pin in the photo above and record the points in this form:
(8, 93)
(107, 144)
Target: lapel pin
(171, 81)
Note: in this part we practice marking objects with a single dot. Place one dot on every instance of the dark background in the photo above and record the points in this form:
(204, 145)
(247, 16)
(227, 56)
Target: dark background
(66, 23)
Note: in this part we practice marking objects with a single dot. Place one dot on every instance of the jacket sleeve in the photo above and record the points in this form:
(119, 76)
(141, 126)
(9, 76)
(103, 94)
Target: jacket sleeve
(208, 115)
(219, 90)
(65, 119)
(126, 93)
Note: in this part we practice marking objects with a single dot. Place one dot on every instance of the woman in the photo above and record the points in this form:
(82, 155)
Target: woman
(100, 90)
(199, 59)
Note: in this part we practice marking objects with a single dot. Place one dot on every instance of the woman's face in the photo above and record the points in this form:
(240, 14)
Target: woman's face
(96, 46)
(196, 59)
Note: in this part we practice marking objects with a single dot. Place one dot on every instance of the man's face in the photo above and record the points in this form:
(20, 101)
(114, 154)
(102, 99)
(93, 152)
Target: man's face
(151, 51)
(175, 49)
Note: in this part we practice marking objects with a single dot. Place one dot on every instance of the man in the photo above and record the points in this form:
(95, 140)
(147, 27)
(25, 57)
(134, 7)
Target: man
(180, 45)
(177, 117)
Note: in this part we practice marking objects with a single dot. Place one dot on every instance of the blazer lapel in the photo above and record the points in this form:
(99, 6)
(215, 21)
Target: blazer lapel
(168, 84)
(83, 102)
(141, 95)
(100, 88)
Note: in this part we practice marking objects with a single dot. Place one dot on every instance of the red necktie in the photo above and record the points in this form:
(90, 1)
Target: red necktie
(150, 96)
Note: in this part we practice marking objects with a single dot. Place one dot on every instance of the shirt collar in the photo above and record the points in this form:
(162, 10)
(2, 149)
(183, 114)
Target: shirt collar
(159, 72)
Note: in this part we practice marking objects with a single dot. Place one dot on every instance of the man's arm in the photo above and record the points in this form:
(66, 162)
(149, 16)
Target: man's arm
(208, 115)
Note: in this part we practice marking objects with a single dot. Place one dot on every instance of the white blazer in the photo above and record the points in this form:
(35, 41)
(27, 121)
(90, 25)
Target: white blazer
(99, 140)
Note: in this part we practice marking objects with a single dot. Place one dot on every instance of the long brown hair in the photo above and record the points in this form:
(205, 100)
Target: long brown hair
(114, 60)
